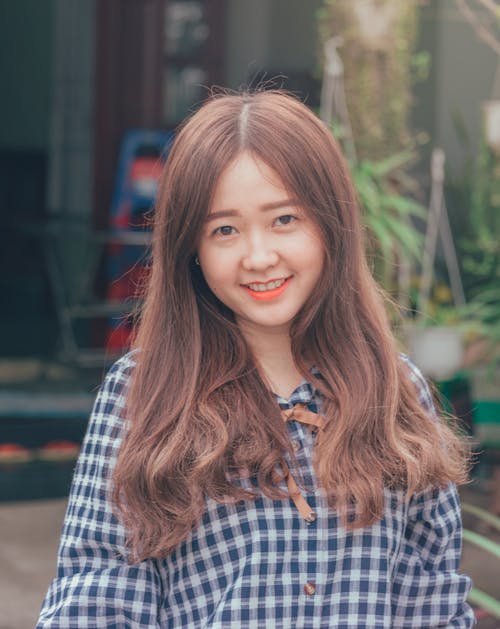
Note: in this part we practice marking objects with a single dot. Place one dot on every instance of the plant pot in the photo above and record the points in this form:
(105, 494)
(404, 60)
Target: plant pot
(438, 351)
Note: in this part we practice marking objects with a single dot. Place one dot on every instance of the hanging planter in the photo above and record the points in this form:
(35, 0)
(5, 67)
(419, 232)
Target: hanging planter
(437, 350)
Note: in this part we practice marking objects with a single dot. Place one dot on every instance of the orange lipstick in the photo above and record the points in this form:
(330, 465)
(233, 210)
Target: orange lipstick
(267, 295)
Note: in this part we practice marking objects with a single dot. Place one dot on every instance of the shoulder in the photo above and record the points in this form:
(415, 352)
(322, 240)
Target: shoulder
(117, 379)
(108, 413)
(121, 370)
(422, 387)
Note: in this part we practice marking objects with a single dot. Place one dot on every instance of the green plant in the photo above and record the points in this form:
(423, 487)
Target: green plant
(378, 53)
(388, 213)
(481, 259)
(376, 43)
(483, 315)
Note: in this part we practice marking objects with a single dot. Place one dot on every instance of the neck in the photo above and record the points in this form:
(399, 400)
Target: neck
(273, 352)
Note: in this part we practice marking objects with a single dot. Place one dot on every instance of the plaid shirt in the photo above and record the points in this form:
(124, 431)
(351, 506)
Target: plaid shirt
(257, 564)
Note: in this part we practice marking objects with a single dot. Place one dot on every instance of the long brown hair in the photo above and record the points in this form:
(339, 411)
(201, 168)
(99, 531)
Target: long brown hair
(198, 409)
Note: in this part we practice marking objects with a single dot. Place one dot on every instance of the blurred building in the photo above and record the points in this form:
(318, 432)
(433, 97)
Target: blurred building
(77, 74)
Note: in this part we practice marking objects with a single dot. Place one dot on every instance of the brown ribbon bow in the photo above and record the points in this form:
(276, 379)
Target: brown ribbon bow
(301, 414)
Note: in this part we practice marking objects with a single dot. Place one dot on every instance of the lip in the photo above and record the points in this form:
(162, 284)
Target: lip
(268, 294)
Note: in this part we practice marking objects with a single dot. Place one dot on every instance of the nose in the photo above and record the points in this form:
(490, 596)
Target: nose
(260, 254)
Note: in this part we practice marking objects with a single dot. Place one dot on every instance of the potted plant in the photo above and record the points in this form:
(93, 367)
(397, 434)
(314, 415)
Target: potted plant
(435, 338)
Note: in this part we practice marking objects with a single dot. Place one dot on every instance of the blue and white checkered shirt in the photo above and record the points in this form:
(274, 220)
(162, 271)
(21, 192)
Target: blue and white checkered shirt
(256, 564)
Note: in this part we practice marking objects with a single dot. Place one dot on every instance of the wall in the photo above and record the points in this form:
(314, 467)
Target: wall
(25, 59)
(72, 108)
(278, 36)
(293, 35)
(465, 74)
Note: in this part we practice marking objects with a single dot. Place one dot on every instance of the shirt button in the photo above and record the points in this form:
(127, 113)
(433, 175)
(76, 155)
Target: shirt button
(310, 517)
(309, 588)
(296, 445)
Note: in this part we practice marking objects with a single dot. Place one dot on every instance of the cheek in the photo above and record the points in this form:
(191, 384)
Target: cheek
(313, 252)
(319, 252)
(218, 270)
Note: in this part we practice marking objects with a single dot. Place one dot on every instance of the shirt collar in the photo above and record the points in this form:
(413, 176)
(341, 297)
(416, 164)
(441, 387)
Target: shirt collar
(305, 393)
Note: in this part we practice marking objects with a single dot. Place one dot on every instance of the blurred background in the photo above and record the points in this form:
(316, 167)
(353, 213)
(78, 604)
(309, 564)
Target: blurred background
(92, 92)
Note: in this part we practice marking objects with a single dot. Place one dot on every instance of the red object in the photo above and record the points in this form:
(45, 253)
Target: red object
(144, 169)
(58, 450)
(481, 614)
(14, 453)
(119, 337)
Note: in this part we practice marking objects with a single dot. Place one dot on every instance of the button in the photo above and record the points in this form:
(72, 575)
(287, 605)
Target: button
(310, 517)
(309, 588)
(296, 445)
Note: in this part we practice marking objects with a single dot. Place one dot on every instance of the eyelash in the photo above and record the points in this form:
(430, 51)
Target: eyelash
(294, 218)
(217, 232)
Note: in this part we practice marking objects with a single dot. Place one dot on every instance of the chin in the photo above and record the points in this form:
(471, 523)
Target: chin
(278, 322)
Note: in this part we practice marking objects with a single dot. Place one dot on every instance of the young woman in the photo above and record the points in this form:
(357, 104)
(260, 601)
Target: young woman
(265, 457)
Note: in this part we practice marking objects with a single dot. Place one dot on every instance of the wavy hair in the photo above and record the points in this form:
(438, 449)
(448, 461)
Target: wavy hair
(198, 410)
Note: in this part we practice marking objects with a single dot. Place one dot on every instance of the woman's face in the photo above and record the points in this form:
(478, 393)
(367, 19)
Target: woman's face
(260, 252)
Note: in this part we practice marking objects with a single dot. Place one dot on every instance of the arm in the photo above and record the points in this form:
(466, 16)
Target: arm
(95, 586)
(427, 590)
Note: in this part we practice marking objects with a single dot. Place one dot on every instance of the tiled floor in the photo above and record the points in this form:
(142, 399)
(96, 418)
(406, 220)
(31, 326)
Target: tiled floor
(28, 546)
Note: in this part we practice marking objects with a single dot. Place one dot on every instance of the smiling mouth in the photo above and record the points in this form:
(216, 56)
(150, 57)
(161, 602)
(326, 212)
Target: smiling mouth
(267, 290)
(258, 287)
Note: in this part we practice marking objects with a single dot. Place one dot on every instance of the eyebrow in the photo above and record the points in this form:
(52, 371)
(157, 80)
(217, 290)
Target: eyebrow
(275, 205)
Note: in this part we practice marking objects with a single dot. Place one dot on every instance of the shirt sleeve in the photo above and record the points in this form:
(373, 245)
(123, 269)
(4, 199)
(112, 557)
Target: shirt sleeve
(95, 585)
(428, 591)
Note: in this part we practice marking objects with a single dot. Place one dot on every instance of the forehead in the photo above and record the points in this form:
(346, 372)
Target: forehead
(248, 179)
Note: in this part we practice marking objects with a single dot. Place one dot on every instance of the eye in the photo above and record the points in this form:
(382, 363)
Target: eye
(286, 219)
(225, 230)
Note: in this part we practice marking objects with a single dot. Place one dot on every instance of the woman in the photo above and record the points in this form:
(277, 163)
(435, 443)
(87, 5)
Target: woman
(265, 457)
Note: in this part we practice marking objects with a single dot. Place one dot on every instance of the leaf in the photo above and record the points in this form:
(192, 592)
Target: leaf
(482, 514)
(404, 206)
(392, 163)
(484, 601)
(368, 194)
(482, 542)
(406, 236)
(382, 236)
